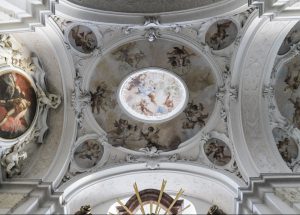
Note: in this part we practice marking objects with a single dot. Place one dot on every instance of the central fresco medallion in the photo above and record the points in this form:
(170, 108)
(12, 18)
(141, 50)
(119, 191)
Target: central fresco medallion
(152, 95)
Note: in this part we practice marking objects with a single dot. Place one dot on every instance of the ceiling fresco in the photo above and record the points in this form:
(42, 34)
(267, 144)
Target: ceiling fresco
(88, 154)
(124, 130)
(221, 34)
(152, 95)
(82, 39)
(217, 152)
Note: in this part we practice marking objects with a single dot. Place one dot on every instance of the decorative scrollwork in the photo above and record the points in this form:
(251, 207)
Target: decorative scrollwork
(80, 99)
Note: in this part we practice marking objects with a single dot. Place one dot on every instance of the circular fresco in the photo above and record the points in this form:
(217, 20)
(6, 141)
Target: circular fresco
(182, 93)
(217, 152)
(18, 104)
(221, 34)
(88, 154)
(287, 147)
(152, 95)
(83, 39)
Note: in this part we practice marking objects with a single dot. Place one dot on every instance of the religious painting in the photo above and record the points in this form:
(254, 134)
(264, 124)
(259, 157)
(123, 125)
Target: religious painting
(221, 34)
(152, 95)
(83, 39)
(286, 145)
(88, 154)
(18, 104)
(217, 152)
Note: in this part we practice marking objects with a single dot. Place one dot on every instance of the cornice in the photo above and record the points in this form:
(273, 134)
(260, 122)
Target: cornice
(74, 11)
(26, 20)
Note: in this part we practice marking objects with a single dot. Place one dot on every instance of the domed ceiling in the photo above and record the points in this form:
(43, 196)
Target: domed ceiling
(144, 6)
(152, 94)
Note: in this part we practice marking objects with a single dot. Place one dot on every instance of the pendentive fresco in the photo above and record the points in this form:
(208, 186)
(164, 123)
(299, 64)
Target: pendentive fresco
(217, 152)
(221, 34)
(124, 129)
(88, 153)
(82, 38)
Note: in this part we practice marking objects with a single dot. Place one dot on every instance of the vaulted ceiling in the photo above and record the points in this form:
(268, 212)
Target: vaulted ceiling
(201, 93)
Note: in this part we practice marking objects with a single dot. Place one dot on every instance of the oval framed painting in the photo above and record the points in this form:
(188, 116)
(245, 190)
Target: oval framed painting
(82, 39)
(217, 152)
(152, 95)
(88, 154)
(221, 34)
(18, 103)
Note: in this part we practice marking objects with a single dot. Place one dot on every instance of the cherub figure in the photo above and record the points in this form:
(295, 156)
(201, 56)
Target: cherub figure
(217, 152)
(194, 116)
(83, 39)
(10, 161)
(179, 57)
(218, 37)
(127, 55)
(123, 130)
(101, 99)
(90, 150)
(151, 136)
(143, 107)
(168, 101)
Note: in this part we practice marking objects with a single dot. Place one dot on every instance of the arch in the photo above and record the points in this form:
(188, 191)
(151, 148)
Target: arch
(252, 63)
(202, 183)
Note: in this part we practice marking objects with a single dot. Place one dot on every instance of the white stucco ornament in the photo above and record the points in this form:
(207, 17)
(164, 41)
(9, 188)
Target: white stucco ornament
(152, 95)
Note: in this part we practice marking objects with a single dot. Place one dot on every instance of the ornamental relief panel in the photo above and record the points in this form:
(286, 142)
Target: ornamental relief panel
(254, 66)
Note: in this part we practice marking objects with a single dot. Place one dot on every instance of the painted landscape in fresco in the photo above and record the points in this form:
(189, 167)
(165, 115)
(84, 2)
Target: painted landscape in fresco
(221, 34)
(217, 152)
(83, 39)
(88, 154)
(122, 129)
(17, 105)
